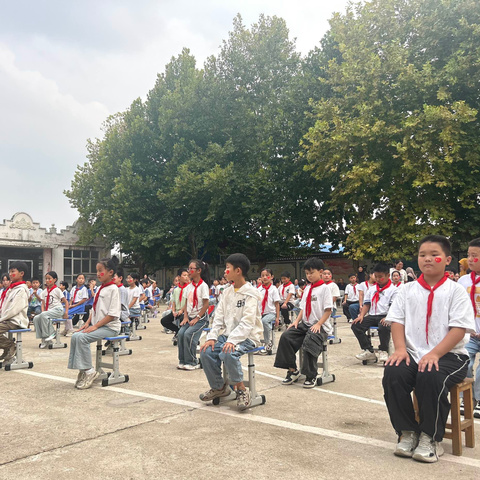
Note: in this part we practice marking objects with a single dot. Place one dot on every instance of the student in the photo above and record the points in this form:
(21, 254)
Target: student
(35, 299)
(156, 294)
(179, 298)
(399, 268)
(350, 303)
(103, 321)
(195, 317)
(363, 288)
(235, 330)
(396, 279)
(470, 282)
(133, 293)
(376, 304)
(287, 296)
(310, 329)
(5, 282)
(430, 319)
(148, 297)
(269, 308)
(451, 273)
(64, 288)
(334, 290)
(13, 308)
(78, 297)
(214, 288)
(52, 299)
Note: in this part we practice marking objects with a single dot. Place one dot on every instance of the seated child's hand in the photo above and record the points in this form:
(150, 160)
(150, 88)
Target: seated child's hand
(398, 357)
(277, 322)
(359, 319)
(428, 361)
(208, 344)
(228, 348)
(384, 322)
(315, 328)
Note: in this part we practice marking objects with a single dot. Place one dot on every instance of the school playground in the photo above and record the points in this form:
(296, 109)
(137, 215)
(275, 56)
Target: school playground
(155, 426)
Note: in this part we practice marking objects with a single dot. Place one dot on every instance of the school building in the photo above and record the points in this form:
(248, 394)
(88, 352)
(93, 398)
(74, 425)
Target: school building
(47, 249)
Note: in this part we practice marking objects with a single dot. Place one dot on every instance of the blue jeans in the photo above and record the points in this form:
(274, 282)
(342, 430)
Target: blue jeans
(473, 347)
(212, 362)
(267, 321)
(188, 337)
(354, 310)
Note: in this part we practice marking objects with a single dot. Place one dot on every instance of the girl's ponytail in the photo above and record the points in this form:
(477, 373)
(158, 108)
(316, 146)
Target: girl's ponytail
(205, 270)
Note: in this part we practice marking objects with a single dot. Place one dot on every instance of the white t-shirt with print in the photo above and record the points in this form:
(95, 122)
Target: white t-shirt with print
(273, 296)
(466, 282)
(321, 299)
(203, 293)
(385, 299)
(284, 291)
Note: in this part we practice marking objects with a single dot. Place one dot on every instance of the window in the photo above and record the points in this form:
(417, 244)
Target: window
(79, 261)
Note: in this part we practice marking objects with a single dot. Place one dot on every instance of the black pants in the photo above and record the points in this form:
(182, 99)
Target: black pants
(431, 390)
(290, 342)
(286, 313)
(360, 329)
(171, 323)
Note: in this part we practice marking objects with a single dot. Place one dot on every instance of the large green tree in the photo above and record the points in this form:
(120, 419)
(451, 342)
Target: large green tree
(397, 131)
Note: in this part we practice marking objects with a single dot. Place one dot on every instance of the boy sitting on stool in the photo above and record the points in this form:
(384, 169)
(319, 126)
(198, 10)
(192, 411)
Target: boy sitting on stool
(430, 319)
(236, 329)
(376, 304)
(310, 329)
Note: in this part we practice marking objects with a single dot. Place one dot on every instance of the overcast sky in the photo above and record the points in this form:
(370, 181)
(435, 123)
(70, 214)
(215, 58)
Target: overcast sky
(66, 65)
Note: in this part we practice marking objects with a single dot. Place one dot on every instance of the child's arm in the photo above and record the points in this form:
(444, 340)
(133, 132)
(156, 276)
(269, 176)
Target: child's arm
(287, 300)
(14, 307)
(318, 326)
(101, 323)
(361, 296)
(43, 306)
(64, 301)
(244, 328)
(132, 303)
(217, 324)
(277, 313)
(202, 312)
(400, 354)
(454, 336)
(364, 311)
(80, 302)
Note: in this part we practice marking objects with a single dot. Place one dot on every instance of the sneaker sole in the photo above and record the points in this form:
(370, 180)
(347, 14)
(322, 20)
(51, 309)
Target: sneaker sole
(403, 453)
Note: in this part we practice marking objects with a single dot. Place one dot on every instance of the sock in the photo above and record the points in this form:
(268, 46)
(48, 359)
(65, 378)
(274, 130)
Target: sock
(90, 370)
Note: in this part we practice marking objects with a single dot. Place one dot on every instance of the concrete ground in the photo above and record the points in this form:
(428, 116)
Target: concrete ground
(156, 427)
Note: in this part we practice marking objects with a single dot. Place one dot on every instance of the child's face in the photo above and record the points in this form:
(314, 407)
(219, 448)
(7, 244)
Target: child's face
(382, 278)
(285, 279)
(451, 275)
(194, 271)
(36, 284)
(118, 280)
(353, 279)
(80, 280)
(266, 277)
(230, 272)
(103, 275)
(50, 281)
(129, 280)
(432, 259)
(62, 287)
(395, 277)
(473, 259)
(313, 275)
(457, 276)
(29, 284)
(215, 283)
(399, 265)
(184, 278)
(327, 275)
(15, 275)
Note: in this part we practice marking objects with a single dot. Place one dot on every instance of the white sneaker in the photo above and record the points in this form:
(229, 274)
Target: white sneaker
(80, 324)
(428, 450)
(70, 333)
(191, 367)
(180, 366)
(87, 380)
(80, 377)
(43, 344)
(382, 356)
(50, 337)
(407, 443)
(366, 355)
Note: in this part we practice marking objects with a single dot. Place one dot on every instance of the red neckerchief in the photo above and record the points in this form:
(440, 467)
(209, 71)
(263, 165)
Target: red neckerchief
(397, 284)
(472, 291)
(48, 296)
(308, 304)
(425, 285)
(75, 292)
(376, 295)
(195, 296)
(265, 298)
(329, 282)
(181, 290)
(98, 293)
(285, 285)
(4, 293)
(354, 289)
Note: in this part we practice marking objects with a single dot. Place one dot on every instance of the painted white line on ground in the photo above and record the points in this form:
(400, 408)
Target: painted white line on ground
(249, 416)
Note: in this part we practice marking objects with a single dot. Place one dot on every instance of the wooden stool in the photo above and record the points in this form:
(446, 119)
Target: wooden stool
(454, 429)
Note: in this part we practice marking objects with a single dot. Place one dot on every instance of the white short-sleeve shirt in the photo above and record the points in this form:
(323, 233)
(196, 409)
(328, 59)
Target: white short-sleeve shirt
(352, 292)
(466, 282)
(321, 300)
(335, 291)
(273, 296)
(56, 296)
(108, 303)
(284, 291)
(134, 293)
(203, 293)
(79, 294)
(451, 308)
(385, 299)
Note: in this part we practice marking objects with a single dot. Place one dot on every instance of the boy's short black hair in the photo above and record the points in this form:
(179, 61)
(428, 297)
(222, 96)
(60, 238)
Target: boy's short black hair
(239, 260)
(352, 275)
(474, 243)
(381, 268)
(449, 268)
(35, 279)
(64, 283)
(313, 263)
(143, 281)
(20, 266)
(120, 272)
(444, 242)
(286, 274)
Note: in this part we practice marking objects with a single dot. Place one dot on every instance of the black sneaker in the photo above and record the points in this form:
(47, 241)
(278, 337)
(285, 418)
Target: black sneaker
(291, 377)
(310, 382)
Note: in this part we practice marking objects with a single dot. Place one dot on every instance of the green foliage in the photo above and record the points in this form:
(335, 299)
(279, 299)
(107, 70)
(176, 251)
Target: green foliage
(397, 138)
